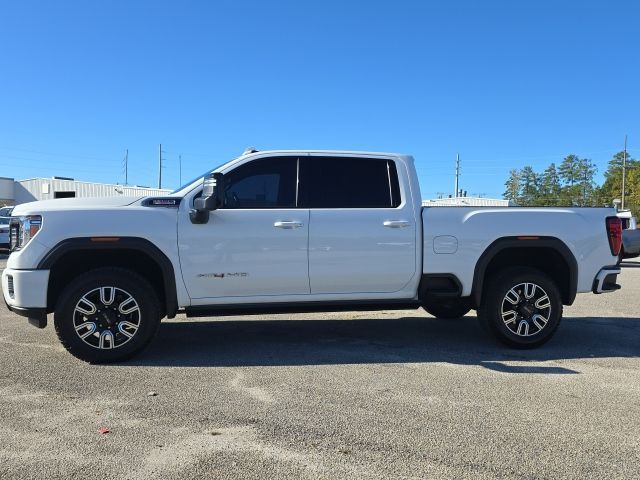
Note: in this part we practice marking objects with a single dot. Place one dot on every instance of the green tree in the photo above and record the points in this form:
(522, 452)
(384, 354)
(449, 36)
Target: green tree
(512, 186)
(612, 186)
(529, 186)
(573, 184)
(586, 170)
(550, 187)
(568, 170)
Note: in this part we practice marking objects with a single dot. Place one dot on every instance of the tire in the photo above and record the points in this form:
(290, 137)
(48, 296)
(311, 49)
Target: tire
(516, 313)
(115, 310)
(448, 308)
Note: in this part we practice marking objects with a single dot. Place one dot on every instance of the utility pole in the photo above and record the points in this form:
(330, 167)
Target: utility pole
(126, 167)
(160, 166)
(457, 174)
(624, 168)
(180, 169)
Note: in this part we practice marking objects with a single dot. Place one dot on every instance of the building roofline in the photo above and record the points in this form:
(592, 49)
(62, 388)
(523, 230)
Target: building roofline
(92, 183)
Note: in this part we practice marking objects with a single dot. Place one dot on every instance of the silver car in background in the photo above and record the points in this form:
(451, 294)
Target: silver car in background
(630, 235)
(6, 211)
(4, 232)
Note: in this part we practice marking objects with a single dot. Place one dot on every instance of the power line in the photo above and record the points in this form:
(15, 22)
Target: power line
(51, 154)
(47, 162)
(126, 167)
(160, 166)
(455, 192)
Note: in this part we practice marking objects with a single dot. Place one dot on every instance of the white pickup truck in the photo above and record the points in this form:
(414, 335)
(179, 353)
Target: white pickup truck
(293, 231)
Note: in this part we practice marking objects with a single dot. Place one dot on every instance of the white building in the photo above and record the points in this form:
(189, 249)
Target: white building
(7, 195)
(15, 192)
(467, 202)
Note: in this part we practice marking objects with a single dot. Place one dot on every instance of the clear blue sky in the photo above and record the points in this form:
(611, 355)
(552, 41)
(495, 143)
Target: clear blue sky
(505, 83)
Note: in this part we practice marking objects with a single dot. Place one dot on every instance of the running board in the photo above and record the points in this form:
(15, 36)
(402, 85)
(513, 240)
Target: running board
(302, 307)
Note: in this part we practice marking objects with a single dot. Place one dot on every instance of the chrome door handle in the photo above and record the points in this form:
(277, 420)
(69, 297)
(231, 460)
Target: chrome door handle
(287, 224)
(396, 223)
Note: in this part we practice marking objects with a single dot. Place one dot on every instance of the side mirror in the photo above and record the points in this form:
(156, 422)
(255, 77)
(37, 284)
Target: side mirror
(210, 199)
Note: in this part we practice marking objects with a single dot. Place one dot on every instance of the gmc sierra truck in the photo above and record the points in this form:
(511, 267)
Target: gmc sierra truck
(294, 231)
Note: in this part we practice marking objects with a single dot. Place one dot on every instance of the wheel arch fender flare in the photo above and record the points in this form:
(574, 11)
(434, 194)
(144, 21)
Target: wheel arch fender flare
(505, 243)
(124, 243)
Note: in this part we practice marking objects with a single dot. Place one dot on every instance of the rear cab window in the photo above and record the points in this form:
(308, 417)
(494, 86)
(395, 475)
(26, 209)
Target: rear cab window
(349, 182)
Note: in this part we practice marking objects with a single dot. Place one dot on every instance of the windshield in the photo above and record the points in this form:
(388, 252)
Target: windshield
(196, 178)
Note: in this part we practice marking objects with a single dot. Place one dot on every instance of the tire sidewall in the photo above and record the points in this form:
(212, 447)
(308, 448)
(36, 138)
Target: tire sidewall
(495, 293)
(136, 286)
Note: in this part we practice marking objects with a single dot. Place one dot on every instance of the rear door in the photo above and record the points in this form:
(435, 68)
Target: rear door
(362, 234)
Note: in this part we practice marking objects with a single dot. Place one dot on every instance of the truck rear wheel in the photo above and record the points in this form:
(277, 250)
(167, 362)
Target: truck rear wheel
(448, 307)
(107, 315)
(522, 307)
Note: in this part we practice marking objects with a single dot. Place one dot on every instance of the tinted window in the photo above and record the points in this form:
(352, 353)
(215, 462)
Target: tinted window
(265, 183)
(340, 182)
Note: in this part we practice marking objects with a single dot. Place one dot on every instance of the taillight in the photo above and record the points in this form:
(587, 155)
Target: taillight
(614, 232)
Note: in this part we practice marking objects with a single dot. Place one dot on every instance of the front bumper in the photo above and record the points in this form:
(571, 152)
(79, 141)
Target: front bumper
(605, 281)
(25, 293)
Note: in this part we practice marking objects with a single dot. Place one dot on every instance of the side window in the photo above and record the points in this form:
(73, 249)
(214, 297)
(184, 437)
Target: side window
(264, 183)
(345, 182)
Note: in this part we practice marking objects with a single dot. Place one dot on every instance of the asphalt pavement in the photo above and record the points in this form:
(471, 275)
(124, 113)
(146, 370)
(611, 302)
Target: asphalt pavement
(357, 395)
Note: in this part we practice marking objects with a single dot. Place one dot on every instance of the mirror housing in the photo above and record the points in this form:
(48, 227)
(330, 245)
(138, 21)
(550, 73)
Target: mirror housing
(210, 199)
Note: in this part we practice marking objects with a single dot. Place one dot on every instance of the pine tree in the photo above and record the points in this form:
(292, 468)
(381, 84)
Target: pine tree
(586, 170)
(573, 183)
(550, 186)
(529, 186)
(568, 170)
(512, 186)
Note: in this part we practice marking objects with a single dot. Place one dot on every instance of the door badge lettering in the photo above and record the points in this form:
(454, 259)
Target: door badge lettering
(223, 275)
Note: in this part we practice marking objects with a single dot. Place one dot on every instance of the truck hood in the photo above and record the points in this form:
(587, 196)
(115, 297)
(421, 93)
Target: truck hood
(32, 208)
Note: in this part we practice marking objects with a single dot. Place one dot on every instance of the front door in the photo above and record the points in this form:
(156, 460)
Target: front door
(256, 243)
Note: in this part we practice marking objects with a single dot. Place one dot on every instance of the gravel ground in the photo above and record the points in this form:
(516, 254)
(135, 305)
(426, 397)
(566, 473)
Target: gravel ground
(356, 395)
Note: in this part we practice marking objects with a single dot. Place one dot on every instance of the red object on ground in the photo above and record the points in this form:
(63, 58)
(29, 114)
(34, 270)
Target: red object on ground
(103, 430)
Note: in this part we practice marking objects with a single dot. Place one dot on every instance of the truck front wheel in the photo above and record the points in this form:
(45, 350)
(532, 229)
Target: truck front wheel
(107, 315)
(448, 307)
(521, 306)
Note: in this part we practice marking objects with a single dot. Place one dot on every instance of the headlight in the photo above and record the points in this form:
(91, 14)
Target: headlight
(23, 229)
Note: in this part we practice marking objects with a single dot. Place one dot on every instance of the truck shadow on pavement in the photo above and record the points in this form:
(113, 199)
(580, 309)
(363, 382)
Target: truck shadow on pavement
(366, 340)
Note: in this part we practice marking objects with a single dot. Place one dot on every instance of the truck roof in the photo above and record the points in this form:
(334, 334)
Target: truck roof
(328, 152)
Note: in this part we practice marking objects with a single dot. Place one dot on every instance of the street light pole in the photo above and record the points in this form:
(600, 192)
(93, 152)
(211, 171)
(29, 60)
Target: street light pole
(624, 169)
